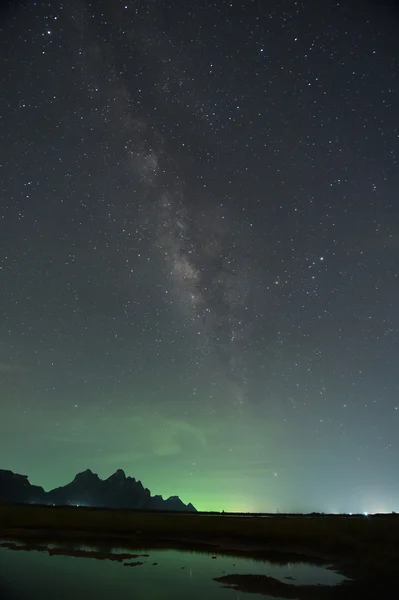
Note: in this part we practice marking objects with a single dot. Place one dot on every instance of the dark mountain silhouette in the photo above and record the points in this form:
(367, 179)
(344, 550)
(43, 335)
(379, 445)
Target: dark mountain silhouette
(16, 488)
(87, 489)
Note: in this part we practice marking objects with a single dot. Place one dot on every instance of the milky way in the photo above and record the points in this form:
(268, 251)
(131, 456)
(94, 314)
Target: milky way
(210, 271)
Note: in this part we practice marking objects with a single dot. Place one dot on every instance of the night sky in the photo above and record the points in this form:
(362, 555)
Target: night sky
(199, 249)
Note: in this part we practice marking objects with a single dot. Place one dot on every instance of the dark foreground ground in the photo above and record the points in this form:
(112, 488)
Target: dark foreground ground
(364, 548)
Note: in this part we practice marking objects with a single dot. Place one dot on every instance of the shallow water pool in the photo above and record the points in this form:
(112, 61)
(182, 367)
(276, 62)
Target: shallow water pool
(49, 571)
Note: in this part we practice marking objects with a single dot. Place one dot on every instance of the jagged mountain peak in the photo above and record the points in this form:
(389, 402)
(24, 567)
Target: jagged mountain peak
(119, 475)
(88, 489)
(87, 474)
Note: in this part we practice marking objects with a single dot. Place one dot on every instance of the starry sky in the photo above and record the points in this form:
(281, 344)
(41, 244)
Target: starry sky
(199, 249)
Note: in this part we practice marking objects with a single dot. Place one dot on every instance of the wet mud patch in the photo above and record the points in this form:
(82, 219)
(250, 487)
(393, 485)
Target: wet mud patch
(269, 586)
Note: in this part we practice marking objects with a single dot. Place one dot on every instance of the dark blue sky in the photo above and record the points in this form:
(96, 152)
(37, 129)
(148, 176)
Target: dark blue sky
(199, 245)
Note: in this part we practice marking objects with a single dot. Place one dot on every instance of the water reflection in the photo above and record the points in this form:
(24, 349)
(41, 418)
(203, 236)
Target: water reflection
(82, 571)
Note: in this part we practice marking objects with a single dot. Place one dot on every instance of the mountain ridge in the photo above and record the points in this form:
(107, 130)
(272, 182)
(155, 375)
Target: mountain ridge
(88, 489)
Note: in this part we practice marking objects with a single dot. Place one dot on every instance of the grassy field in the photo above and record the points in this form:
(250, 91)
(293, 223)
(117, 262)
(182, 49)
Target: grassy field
(329, 533)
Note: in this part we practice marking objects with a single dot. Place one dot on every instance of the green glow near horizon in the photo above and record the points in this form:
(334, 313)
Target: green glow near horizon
(248, 463)
(194, 458)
